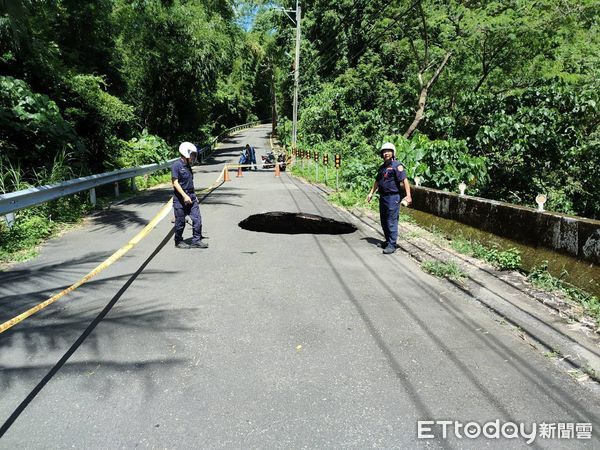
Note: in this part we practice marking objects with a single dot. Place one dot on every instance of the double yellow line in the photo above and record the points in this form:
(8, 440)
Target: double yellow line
(164, 211)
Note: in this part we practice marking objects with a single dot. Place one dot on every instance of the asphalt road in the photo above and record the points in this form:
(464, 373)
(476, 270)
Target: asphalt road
(261, 340)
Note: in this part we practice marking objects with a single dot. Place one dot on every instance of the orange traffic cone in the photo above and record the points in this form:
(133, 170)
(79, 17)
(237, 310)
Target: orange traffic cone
(239, 174)
(277, 170)
(226, 174)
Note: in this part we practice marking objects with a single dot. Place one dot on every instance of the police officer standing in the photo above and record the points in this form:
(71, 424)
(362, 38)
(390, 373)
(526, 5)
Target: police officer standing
(389, 176)
(251, 156)
(185, 202)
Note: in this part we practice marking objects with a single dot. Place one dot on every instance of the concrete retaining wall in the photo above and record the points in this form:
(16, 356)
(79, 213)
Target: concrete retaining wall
(575, 236)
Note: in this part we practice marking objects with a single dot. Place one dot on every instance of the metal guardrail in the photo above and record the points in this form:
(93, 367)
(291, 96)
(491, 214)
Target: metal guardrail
(227, 132)
(26, 198)
(14, 201)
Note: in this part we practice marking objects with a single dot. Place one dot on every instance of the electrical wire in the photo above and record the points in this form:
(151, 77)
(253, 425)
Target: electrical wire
(395, 20)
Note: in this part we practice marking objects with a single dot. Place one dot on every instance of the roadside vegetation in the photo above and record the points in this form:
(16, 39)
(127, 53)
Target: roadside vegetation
(441, 269)
(503, 96)
(501, 259)
(540, 278)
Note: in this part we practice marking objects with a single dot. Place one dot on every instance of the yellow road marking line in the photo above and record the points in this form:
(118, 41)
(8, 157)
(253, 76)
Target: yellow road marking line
(103, 265)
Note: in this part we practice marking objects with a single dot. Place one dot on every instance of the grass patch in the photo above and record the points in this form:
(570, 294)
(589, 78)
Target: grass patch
(406, 218)
(34, 226)
(351, 199)
(443, 269)
(306, 170)
(413, 234)
(153, 179)
(19, 242)
(501, 259)
(438, 236)
(542, 279)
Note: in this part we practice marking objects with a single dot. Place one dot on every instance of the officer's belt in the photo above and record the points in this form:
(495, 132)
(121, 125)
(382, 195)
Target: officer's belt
(387, 194)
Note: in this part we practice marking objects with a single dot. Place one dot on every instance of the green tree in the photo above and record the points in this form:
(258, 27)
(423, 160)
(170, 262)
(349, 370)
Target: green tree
(514, 82)
(172, 54)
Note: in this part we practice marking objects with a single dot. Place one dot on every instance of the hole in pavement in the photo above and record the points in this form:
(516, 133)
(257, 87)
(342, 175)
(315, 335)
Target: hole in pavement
(295, 223)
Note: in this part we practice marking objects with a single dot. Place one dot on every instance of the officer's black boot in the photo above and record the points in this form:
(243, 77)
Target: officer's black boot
(389, 250)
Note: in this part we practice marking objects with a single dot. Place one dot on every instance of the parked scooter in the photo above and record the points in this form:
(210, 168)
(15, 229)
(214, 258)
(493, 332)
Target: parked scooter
(281, 161)
(268, 160)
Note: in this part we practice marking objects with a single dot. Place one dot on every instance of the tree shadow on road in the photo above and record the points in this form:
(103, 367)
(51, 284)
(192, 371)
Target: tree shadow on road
(53, 330)
(371, 240)
(212, 161)
(230, 140)
(37, 271)
(25, 287)
(157, 195)
(222, 197)
(223, 156)
(146, 319)
(117, 219)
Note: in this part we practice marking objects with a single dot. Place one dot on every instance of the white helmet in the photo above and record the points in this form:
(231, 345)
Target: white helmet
(388, 146)
(186, 149)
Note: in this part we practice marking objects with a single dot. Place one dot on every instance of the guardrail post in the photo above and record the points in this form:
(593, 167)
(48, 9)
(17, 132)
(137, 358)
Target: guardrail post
(93, 196)
(133, 185)
(116, 184)
(10, 219)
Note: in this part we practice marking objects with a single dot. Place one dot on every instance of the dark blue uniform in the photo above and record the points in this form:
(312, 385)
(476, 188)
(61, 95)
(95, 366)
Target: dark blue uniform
(182, 172)
(389, 177)
(252, 156)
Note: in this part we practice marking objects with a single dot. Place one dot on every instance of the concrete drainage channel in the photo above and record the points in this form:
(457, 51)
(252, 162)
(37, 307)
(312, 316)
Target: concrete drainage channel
(280, 222)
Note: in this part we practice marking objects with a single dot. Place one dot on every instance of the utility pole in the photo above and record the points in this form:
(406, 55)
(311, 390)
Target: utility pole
(296, 71)
(296, 77)
(273, 101)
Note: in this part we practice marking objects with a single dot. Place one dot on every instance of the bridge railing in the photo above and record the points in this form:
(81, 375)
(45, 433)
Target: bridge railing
(26, 198)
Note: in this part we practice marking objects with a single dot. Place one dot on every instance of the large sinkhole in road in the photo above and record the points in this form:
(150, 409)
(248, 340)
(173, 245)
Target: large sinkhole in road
(295, 223)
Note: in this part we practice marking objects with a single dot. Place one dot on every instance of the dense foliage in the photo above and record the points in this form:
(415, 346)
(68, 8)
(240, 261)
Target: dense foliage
(111, 83)
(502, 95)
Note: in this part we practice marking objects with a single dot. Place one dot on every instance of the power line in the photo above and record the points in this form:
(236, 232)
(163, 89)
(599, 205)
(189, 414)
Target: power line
(375, 38)
(345, 22)
(327, 44)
